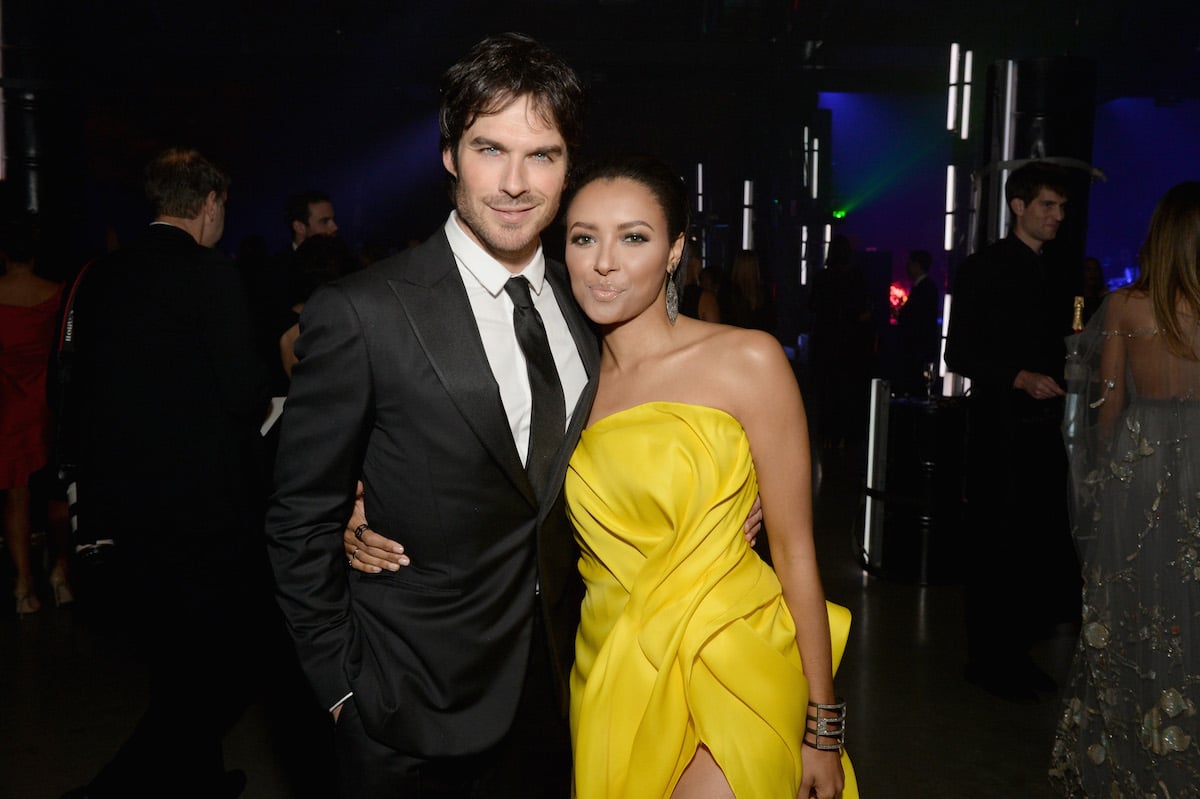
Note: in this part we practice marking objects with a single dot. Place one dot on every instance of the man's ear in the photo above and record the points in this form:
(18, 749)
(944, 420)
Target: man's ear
(298, 228)
(1017, 206)
(449, 161)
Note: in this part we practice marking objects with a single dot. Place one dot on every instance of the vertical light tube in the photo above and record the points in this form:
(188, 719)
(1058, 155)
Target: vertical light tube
(806, 155)
(946, 302)
(952, 384)
(700, 188)
(951, 206)
(1006, 152)
(747, 215)
(877, 441)
(952, 90)
(804, 255)
(968, 68)
(825, 246)
(1010, 96)
(816, 165)
(966, 111)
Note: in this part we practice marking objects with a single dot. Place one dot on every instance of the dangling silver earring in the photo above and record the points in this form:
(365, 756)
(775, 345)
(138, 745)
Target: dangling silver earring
(672, 298)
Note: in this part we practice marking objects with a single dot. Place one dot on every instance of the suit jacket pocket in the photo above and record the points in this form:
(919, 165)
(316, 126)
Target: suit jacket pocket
(411, 578)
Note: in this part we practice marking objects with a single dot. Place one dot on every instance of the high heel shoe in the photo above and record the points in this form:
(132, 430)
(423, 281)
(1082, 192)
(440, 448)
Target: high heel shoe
(27, 602)
(61, 588)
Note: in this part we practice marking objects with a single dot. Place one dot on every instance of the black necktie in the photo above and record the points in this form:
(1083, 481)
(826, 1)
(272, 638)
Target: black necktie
(548, 424)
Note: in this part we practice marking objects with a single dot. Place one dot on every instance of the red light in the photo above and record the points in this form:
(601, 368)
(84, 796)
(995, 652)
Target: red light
(897, 296)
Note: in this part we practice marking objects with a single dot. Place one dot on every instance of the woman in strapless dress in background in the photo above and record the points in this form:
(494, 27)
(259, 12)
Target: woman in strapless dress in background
(697, 667)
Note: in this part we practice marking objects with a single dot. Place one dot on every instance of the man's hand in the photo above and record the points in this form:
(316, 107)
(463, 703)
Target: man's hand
(753, 524)
(366, 550)
(1037, 385)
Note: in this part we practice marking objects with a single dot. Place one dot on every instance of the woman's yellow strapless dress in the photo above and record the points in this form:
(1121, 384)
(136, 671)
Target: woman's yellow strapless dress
(684, 638)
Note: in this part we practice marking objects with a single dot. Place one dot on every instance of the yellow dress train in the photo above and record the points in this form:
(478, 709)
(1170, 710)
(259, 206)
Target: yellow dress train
(685, 638)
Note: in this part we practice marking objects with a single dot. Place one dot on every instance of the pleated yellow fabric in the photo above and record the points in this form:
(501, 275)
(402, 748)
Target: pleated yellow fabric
(684, 637)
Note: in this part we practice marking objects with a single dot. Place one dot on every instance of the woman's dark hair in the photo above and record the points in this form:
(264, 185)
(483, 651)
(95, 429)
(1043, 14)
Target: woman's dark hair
(667, 187)
(501, 69)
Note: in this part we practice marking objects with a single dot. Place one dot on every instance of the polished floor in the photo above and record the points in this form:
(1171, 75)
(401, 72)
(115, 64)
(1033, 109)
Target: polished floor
(917, 728)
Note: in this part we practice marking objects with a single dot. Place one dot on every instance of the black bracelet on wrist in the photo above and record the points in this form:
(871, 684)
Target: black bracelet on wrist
(828, 732)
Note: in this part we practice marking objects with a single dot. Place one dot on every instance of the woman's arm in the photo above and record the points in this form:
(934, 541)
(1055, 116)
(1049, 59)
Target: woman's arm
(771, 411)
(1112, 368)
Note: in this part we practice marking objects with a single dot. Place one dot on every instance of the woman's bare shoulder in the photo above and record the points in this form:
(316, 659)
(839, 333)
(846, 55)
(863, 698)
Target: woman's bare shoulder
(738, 355)
(1129, 310)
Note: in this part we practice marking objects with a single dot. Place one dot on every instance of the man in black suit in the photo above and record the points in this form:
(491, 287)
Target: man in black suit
(918, 326)
(271, 283)
(1012, 307)
(447, 678)
(310, 213)
(170, 399)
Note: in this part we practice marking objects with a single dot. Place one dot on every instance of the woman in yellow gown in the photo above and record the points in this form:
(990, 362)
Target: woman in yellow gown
(699, 671)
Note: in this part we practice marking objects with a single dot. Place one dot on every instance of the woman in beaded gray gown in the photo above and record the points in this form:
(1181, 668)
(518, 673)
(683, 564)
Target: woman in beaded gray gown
(1129, 726)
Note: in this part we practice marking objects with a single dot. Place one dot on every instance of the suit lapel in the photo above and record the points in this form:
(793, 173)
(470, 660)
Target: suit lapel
(588, 347)
(435, 301)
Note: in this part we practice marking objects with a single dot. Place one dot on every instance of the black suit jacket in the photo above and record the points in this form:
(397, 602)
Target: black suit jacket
(1012, 309)
(393, 386)
(918, 322)
(170, 397)
(919, 335)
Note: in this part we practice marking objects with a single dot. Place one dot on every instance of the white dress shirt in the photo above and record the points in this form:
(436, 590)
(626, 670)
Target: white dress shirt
(484, 278)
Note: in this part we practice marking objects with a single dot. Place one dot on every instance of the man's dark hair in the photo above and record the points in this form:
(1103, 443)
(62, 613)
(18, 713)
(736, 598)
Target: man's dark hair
(178, 180)
(297, 205)
(501, 69)
(922, 259)
(1026, 182)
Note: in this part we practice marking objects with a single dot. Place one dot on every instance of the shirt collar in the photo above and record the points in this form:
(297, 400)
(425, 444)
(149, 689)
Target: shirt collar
(489, 272)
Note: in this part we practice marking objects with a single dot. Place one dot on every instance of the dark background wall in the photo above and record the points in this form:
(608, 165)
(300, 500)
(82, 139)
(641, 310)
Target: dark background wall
(342, 96)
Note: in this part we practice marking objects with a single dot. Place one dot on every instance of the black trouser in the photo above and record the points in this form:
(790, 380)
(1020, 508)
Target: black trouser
(532, 761)
(209, 654)
(1022, 574)
(199, 686)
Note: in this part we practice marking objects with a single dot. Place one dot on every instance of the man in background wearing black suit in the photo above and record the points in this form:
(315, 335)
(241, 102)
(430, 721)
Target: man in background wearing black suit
(1013, 305)
(171, 396)
(918, 327)
(447, 678)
